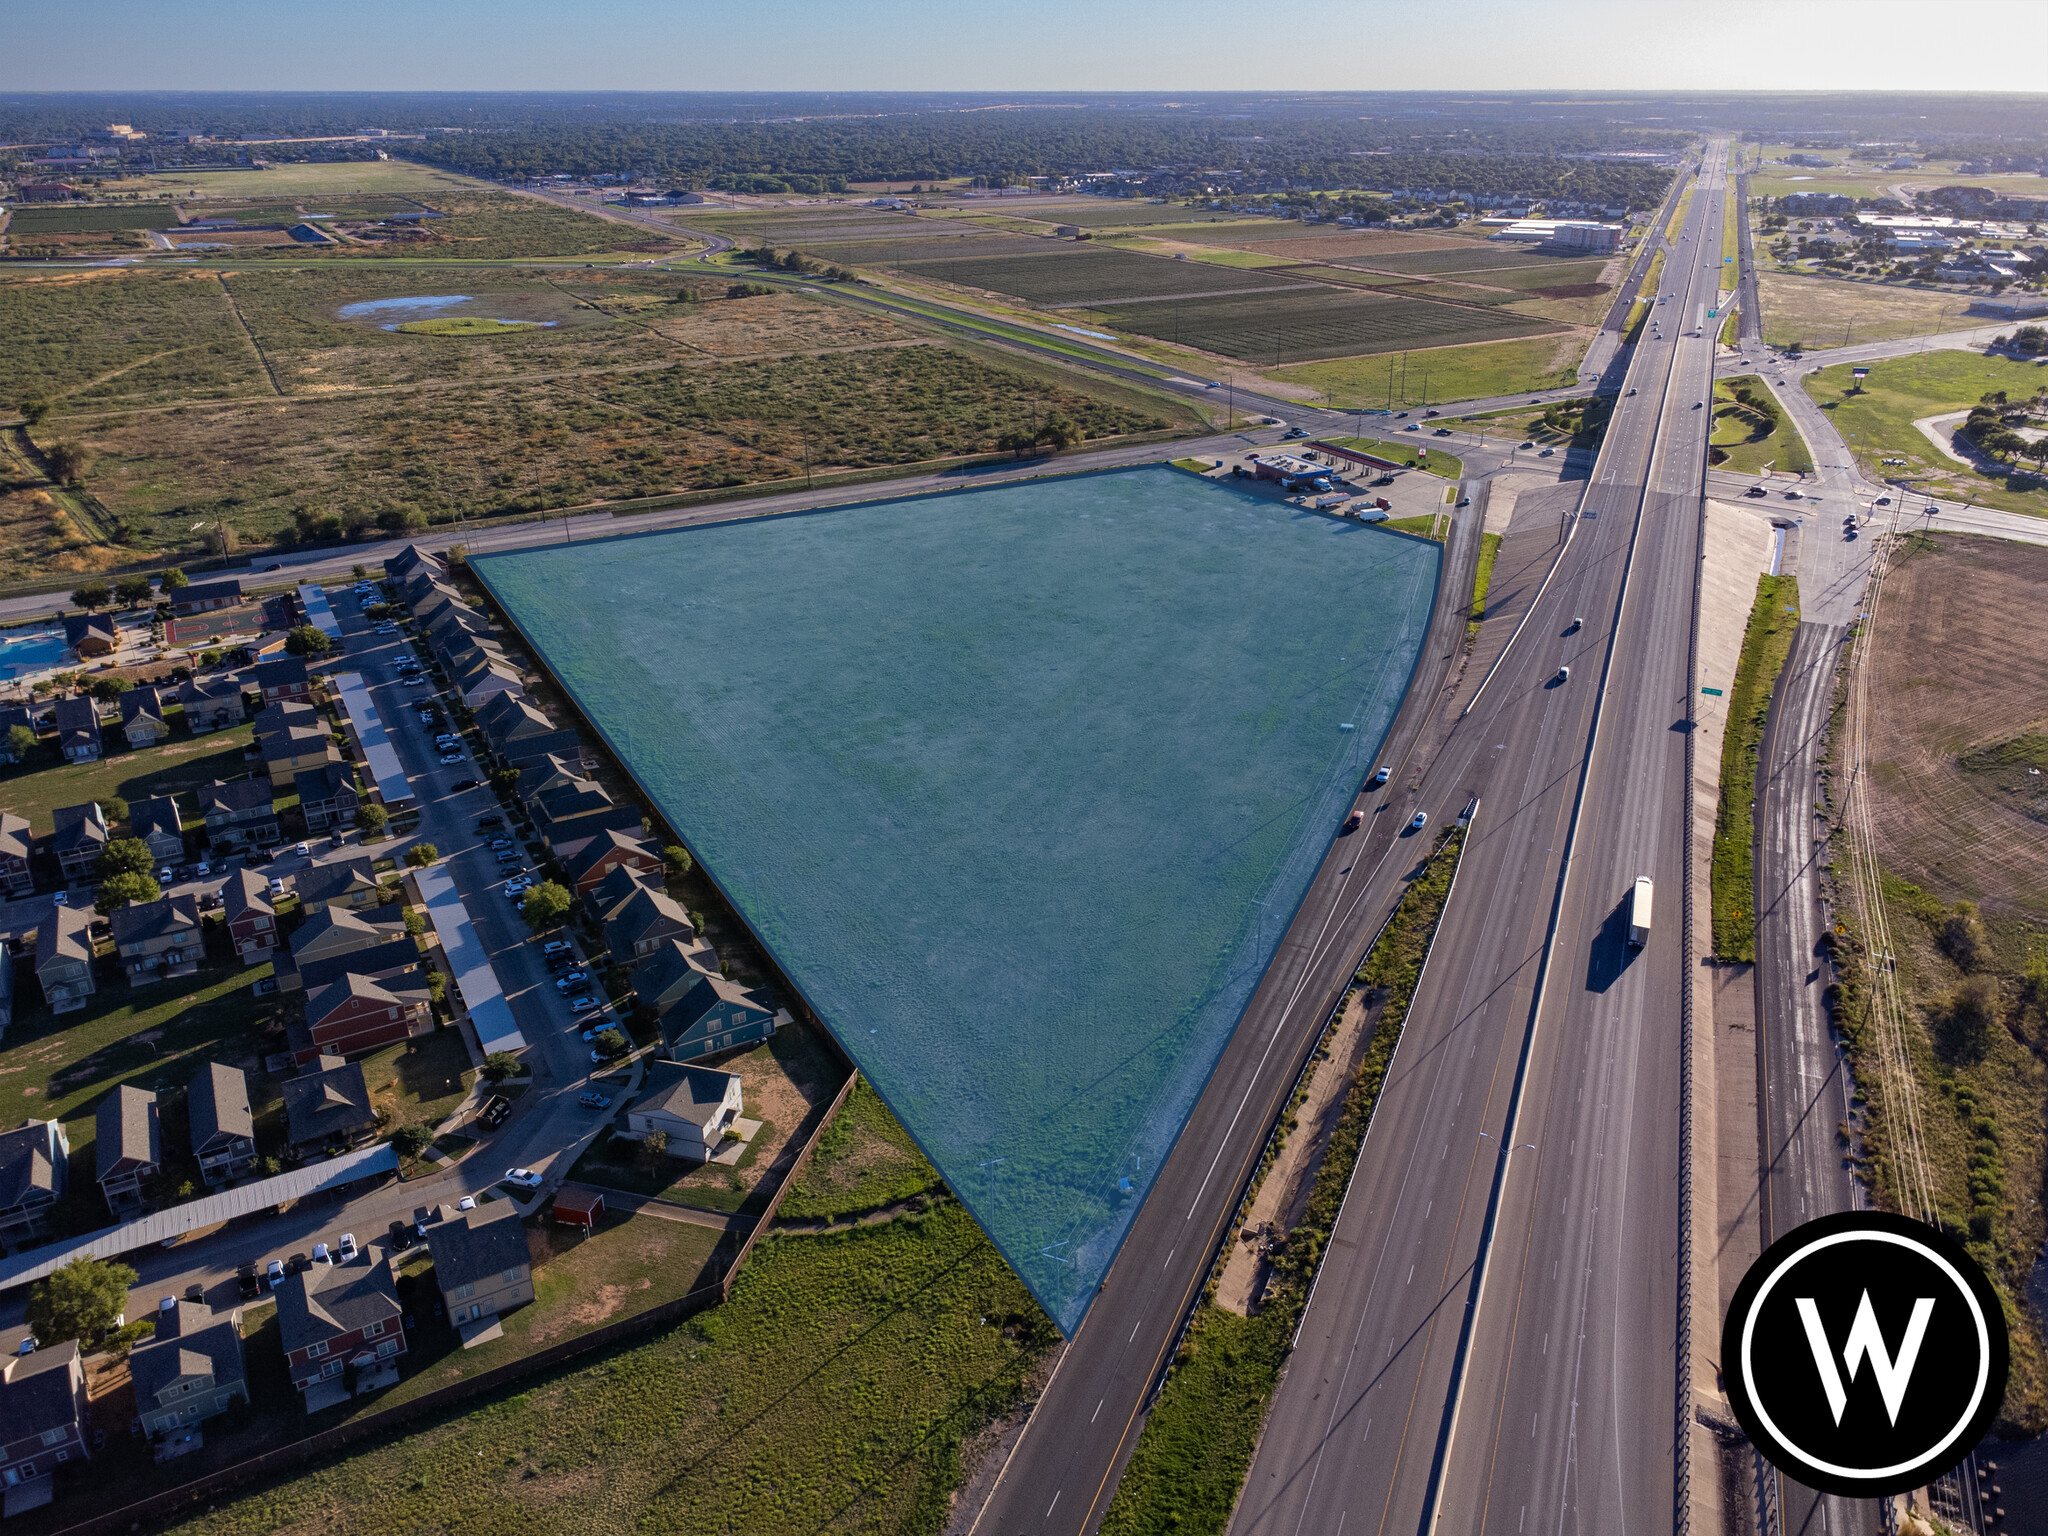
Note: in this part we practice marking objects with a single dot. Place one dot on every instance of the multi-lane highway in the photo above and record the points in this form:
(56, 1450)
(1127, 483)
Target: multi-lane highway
(1495, 1341)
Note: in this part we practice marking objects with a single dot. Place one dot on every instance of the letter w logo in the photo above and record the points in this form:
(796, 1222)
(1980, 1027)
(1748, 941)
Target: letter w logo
(1866, 1341)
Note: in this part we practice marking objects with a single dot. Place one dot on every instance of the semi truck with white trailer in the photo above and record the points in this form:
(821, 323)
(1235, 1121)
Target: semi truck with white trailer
(1639, 912)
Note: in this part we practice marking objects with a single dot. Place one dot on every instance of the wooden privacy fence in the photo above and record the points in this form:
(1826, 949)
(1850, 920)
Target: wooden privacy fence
(179, 1500)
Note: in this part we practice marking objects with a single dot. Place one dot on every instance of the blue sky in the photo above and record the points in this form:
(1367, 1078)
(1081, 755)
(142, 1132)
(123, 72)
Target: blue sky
(1057, 45)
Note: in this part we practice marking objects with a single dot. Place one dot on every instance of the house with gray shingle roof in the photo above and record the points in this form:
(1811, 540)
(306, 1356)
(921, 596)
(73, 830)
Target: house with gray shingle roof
(142, 716)
(78, 730)
(35, 1172)
(482, 1267)
(191, 1370)
(64, 957)
(43, 1414)
(639, 925)
(159, 823)
(692, 1106)
(128, 1146)
(81, 837)
(158, 939)
(17, 839)
(223, 1127)
(334, 1316)
(328, 1107)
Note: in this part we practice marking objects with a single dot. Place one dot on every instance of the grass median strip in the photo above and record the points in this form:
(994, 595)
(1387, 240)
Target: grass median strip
(1489, 550)
(1773, 620)
(1198, 1442)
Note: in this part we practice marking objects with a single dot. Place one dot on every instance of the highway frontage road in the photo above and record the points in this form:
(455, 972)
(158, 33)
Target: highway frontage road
(1494, 1343)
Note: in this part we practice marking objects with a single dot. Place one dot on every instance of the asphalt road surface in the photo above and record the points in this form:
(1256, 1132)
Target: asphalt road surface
(1493, 1342)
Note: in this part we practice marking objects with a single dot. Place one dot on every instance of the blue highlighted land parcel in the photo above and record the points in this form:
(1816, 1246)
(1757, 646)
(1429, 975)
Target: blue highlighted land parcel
(1020, 787)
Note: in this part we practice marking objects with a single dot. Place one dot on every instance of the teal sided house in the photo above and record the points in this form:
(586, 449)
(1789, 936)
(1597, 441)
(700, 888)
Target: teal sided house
(713, 1015)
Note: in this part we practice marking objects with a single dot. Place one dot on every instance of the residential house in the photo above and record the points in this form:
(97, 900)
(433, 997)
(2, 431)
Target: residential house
(454, 626)
(520, 734)
(334, 1317)
(78, 730)
(211, 703)
(344, 883)
(353, 1014)
(35, 1172)
(292, 737)
(223, 1129)
(712, 1015)
(693, 1106)
(396, 963)
(206, 597)
(328, 1107)
(44, 1415)
(545, 773)
(142, 717)
(591, 859)
(285, 680)
(329, 932)
(16, 842)
(412, 557)
(580, 809)
(158, 939)
(615, 890)
(643, 922)
(64, 958)
(160, 824)
(486, 677)
(328, 796)
(189, 1371)
(128, 1146)
(251, 919)
(91, 634)
(11, 716)
(81, 837)
(239, 814)
(481, 1267)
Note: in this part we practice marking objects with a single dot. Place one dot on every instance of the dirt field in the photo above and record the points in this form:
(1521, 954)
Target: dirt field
(1826, 312)
(1326, 246)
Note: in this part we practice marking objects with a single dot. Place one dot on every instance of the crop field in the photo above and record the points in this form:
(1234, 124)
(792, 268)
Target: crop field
(1342, 277)
(832, 1392)
(1458, 293)
(922, 245)
(78, 338)
(1828, 312)
(928, 748)
(1084, 275)
(1115, 213)
(1877, 423)
(1319, 242)
(1559, 274)
(514, 445)
(1313, 322)
(800, 224)
(60, 220)
(1475, 256)
(1448, 373)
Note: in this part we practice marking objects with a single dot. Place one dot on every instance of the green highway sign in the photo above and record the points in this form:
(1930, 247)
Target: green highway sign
(1714, 691)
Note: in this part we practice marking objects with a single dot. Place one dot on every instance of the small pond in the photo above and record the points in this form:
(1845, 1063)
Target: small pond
(408, 308)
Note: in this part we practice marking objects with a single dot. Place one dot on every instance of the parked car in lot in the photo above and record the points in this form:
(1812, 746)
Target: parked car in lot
(465, 784)
(451, 759)
(273, 1273)
(247, 1285)
(575, 978)
(557, 947)
(1548, 453)
(583, 1004)
(402, 1236)
(321, 1255)
(466, 1203)
(522, 1178)
(593, 1101)
(501, 842)
(489, 821)
(346, 1249)
(495, 1111)
(518, 886)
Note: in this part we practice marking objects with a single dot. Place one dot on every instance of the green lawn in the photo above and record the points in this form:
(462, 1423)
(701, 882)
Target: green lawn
(863, 1162)
(1407, 454)
(1482, 578)
(155, 1037)
(35, 789)
(420, 1081)
(1748, 439)
(1877, 423)
(1773, 621)
(468, 325)
(833, 1391)
(1441, 373)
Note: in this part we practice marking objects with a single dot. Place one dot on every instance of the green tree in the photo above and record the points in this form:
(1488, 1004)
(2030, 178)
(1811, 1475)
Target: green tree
(545, 905)
(117, 891)
(416, 924)
(133, 591)
(113, 807)
(33, 411)
(21, 740)
(171, 580)
(126, 856)
(79, 1301)
(68, 462)
(359, 571)
(108, 689)
(1974, 1012)
(653, 1148)
(420, 855)
(94, 594)
(678, 860)
(500, 1065)
(305, 640)
(373, 819)
(412, 1141)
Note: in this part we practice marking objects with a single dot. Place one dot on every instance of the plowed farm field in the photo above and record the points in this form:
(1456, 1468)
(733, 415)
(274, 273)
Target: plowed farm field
(1087, 275)
(1309, 323)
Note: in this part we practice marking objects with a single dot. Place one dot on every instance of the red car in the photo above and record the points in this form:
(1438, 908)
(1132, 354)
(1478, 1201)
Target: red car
(1354, 821)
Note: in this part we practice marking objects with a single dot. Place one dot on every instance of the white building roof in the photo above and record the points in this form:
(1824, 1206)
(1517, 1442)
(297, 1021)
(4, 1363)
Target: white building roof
(481, 994)
(393, 787)
(318, 614)
(194, 1215)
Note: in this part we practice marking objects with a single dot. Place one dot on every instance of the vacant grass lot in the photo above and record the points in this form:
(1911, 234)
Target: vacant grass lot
(864, 1162)
(1828, 312)
(1748, 441)
(523, 445)
(1305, 323)
(1773, 621)
(497, 226)
(832, 1392)
(83, 338)
(315, 180)
(1535, 279)
(1877, 423)
(419, 1082)
(1444, 373)
(1086, 274)
(1413, 453)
